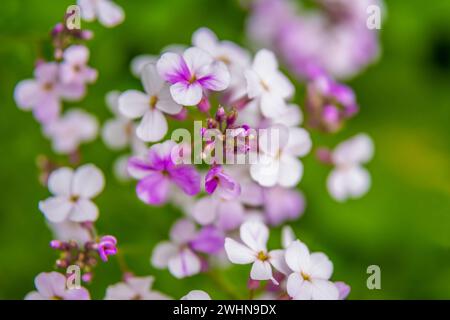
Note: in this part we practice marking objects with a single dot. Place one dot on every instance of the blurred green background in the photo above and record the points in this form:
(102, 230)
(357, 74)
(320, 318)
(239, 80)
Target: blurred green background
(402, 225)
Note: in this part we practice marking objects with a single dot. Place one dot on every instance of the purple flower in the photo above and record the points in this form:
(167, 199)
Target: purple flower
(216, 179)
(329, 103)
(52, 286)
(343, 288)
(158, 172)
(191, 73)
(107, 247)
(208, 240)
(44, 93)
(283, 204)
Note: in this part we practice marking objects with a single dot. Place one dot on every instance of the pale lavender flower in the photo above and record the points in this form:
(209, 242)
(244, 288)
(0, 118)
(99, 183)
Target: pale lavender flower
(191, 73)
(74, 68)
(72, 193)
(157, 172)
(282, 205)
(52, 286)
(44, 93)
(343, 288)
(70, 130)
(179, 255)
(134, 288)
(349, 179)
(217, 180)
(108, 13)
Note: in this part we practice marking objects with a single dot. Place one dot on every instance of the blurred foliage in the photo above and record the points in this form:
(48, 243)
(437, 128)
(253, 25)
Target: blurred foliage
(402, 225)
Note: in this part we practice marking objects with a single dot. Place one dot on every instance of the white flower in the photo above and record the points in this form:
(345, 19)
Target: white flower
(311, 274)
(266, 83)
(69, 131)
(138, 63)
(73, 191)
(134, 288)
(149, 105)
(255, 234)
(70, 231)
(176, 254)
(349, 179)
(108, 13)
(278, 163)
(196, 295)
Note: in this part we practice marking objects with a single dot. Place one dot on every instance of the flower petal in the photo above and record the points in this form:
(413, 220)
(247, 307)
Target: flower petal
(184, 264)
(290, 171)
(109, 13)
(186, 94)
(197, 59)
(255, 235)
(88, 181)
(60, 181)
(297, 288)
(166, 103)
(56, 209)
(238, 253)
(151, 80)
(133, 104)
(205, 210)
(162, 253)
(187, 178)
(277, 259)
(196, 295)
(153, 189)
(298, 257)
(324, 290)
(261, 270)
(84, 210)
(153, 126)
(321, 266)
(27, 93)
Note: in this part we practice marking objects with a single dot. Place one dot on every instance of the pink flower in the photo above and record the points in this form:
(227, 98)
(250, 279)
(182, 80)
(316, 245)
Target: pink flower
(52, 286)
(44, 93)
(108, 13)
(157, 172)
(134, 288)
(191, 73)
(74, 68)
(73, 191)
(107, 246)
(196, 295)
(282, 204)
(70, 130)
(255, 234)
(217, 179)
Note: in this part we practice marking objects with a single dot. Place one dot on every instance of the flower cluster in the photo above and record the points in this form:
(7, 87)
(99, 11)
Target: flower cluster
(239, 175)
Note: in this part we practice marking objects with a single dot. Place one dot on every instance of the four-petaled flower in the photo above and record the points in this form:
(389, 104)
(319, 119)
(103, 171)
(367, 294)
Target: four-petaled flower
(157, 172)
(73, 191)
(255, 234)
(52, 286)
(74, 68)
(149, 105)
(311, 274)
(191, 73)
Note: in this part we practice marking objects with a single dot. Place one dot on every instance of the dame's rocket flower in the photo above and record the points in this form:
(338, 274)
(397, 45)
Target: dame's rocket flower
(73, 191)
(267, 84)
(44, 93)
(311, 273)
(74, 68)
(217, 180)
(157, 172)
(349, 179)
(278, 163)
(134, 288)
(150, 105)
(180, 254)
(108, 13)
(196, 295)
(52, 286)
(191, 73)
(254, 250)
(70, 130)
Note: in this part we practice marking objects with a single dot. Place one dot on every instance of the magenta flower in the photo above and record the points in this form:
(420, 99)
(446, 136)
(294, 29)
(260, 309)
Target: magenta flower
(44, 93)
(158, 172)
(217, 179)
(191, 73)
(107, 247)
(52, 286)
(74, 68)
